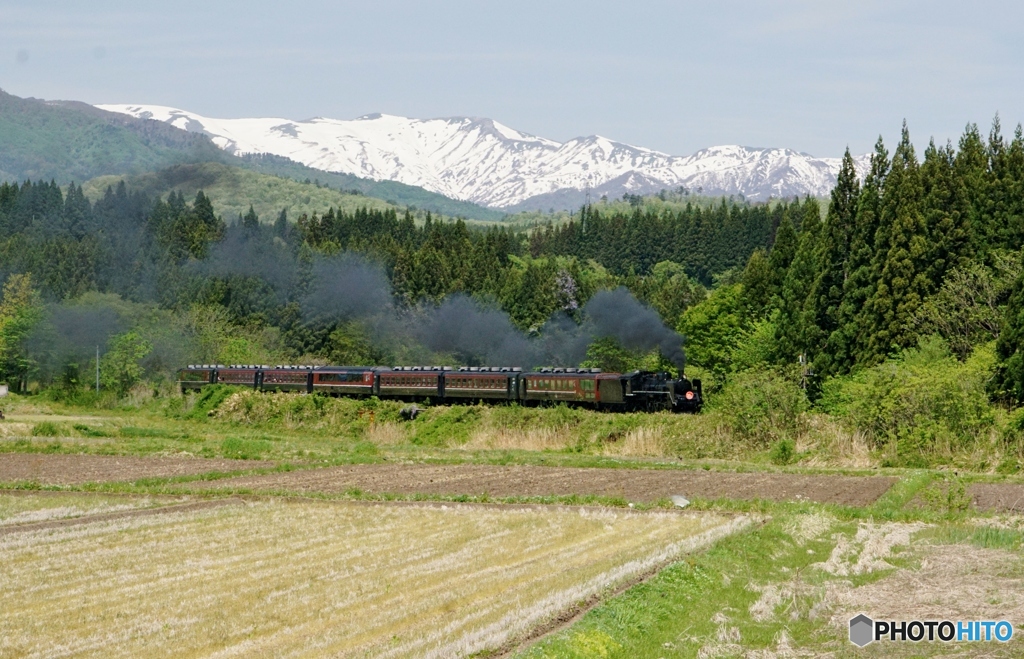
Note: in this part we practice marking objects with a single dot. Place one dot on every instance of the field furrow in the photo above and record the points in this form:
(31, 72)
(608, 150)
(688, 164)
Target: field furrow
(313, 579)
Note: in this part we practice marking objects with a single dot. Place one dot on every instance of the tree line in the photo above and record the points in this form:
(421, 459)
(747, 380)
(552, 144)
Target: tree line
(912, 248)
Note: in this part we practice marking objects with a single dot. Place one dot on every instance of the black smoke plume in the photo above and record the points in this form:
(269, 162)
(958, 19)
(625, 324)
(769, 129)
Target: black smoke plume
(633, 324)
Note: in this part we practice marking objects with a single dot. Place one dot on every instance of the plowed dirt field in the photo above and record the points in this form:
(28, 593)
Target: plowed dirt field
(1002, 497)
(640, 485)
(59, 469)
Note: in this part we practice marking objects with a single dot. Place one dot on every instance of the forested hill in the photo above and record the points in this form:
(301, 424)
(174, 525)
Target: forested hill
(67, 141)
(233, 190)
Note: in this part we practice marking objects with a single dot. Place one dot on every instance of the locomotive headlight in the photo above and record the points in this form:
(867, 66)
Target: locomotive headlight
(689, 395)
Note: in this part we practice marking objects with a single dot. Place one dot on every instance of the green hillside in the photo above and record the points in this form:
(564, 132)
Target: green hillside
(67, 141)
(397, 193)
(232, 189)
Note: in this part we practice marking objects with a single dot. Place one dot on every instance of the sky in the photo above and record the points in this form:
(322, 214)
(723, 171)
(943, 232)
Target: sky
(815, 76)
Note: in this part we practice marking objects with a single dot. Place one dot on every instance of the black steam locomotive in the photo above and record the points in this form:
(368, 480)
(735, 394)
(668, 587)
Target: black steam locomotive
(636, 391)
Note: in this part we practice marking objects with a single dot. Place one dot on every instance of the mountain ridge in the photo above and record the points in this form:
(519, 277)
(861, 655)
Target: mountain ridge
(71, 141)
(488, 163)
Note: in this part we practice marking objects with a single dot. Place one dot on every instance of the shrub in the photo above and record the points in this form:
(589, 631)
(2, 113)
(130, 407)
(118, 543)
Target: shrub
(783, 452)
(449, 426)
(919, 403)
(763, 406)
(210, 398)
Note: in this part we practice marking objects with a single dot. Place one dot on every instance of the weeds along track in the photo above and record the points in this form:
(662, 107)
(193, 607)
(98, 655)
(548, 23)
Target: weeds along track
(640, 485)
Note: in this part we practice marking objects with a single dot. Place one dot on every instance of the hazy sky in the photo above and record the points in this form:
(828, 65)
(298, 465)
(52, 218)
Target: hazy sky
(674, 76)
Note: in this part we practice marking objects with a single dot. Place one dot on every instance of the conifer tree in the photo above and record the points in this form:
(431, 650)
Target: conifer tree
(757, 282)
(251, 221)
(833, 259)
(851, 334)
(1005, 204)
(901, 257)
(796, 333)
(281, 225)
(1008, 382)
(949, 238)
(973, 180)
(782, 253)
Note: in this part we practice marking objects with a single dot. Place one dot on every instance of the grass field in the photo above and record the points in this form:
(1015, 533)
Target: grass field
(315, 579)
(233, 423)
(280, 576)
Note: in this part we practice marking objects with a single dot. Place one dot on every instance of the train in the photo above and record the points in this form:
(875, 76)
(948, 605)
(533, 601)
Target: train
(586, 387)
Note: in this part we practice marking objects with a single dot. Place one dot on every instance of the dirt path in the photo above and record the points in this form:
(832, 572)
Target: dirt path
(507, 481)
(59, 469)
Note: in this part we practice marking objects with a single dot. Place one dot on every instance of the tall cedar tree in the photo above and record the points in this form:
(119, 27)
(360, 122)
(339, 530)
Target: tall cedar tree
(852, 335)
(795, 334)
(757, 283)
(972, 174)
(949, 231)
(1006, 162)
(781, 256)
(901, 256)
(833, 261)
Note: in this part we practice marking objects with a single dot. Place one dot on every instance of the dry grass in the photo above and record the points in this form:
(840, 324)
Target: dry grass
(386, 434)
(318, 579)
(29, 508)
(954, 582)
(643, 441)
(532, 439)
(833, 444)
(13, 428)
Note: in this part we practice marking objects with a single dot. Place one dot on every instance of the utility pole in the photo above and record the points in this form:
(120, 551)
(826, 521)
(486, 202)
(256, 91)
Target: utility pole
(97, 369)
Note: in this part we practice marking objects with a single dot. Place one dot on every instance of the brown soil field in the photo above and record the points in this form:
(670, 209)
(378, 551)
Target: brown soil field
(58, 469)
(640, 485)
(1001, 497)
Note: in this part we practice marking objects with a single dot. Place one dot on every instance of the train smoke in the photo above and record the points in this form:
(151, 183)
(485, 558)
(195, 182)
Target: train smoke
(70, 334)
(633, 324)
(347, 287)
(479, 334)
(475, 333)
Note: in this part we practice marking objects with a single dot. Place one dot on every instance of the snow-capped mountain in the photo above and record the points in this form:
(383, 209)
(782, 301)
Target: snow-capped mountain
(483, 161)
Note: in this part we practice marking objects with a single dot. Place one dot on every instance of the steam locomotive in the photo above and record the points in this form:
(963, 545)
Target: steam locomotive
(589, 387)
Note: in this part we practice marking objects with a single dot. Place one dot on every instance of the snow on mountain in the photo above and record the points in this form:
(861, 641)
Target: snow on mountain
(483, 161)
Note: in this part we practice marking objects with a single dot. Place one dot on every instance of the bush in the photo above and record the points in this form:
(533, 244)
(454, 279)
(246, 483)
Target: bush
(763, 406)
(921, 403)
(1013, 436)
(783, 452)
(209, 399)
(447, 426)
